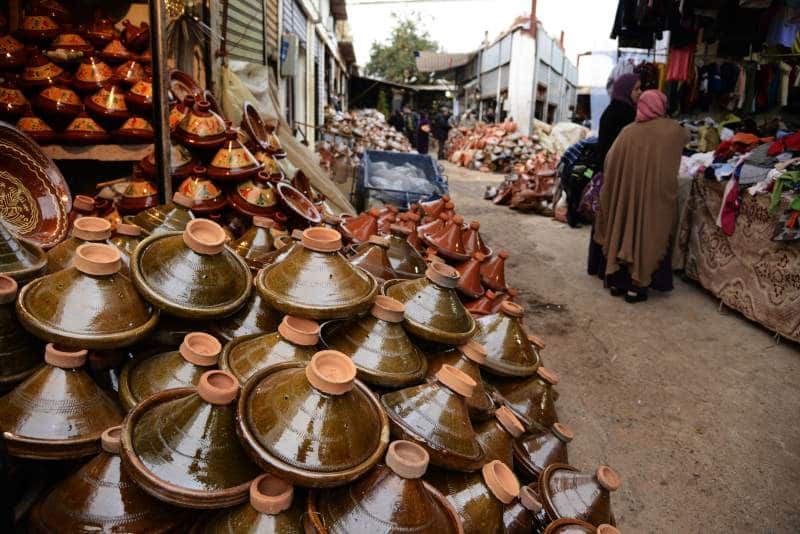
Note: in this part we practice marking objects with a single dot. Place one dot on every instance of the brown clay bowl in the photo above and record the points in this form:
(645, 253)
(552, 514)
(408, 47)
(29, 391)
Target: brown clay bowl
(181, 85)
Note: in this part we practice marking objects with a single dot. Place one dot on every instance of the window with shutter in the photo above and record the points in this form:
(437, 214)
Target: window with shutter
(245, 36)
(272, 29)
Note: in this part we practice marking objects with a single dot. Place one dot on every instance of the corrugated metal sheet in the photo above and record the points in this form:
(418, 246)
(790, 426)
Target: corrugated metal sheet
(246, 31)
(505, 71)
(272, 29)
(544, 47)
(505, 49)
(557, 63)
(294, 20)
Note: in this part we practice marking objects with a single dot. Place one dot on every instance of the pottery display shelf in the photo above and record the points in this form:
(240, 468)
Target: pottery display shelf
(110, 152)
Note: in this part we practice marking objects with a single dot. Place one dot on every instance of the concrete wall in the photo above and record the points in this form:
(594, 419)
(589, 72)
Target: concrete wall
(520, 83)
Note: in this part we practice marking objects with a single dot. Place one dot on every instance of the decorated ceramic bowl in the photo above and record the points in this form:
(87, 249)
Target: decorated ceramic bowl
(92, 73)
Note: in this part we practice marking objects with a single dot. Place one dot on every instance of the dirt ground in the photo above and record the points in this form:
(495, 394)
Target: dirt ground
(696, 408)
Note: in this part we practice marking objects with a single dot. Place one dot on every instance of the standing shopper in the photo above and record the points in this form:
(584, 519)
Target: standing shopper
(423, 134)
(619, 113)
(638, 203)
(441, 130)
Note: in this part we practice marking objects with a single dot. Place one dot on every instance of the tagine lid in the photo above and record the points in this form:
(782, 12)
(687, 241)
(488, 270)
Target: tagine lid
(144, 376)
(58, 412)
(435, 415)
(391, 497)
(372, 257)
(533, 452)
(532, 399)
(201, 128)
(180, 445)
(85, 130)
(206, 196)
(467, 358)
(301, 283)
(92, 73)
(294, 341)
(286, 407)
(569, 493)
(510, 353)
(170, 217)
(100, 497)
(404, 258)
(192, 274)
(233, 161)
(20, 259)
(54, 307)
(381, 350)
(255, 317)
(433, 309)
(256, 242)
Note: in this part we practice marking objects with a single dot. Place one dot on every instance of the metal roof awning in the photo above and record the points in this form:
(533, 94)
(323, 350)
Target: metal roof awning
(440, 61)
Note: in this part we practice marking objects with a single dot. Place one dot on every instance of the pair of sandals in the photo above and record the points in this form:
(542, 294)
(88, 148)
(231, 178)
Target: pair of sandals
(631, 297)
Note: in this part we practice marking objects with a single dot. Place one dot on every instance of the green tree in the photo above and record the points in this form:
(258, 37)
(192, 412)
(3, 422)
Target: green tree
(394, 59)
(383, 103)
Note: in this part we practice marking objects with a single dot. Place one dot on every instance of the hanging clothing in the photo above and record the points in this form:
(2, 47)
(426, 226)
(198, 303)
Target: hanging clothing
(680, 60)
(783, 28)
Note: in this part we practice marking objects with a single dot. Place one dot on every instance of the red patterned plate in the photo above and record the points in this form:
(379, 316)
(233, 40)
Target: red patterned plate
(34, 197)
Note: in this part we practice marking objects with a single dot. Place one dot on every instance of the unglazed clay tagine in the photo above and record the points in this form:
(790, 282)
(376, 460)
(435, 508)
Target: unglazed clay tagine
(100, 497)
(172, 217)
(466, 358)
(192, 274)
(19, 259)
(201, 128)
(531, 399)
(536, 451)
(447, 241)
(273, 507)
(569, 493)
(180, 445)
(206, 196)
(360, 228)
(392, 497)
(479, 497)
(381, 350)
(435, 415)
(315, 281)
(433, 309)
(90, 304)
(233, 162)
(255, 242)
(182, 368)
(509, 351)
(312, 424)
(58, 412)
(493, 272)
(84, 230)
(295, 341)
(20, 353)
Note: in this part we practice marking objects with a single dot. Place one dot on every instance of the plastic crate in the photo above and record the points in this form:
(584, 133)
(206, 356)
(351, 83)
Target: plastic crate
(401, 199)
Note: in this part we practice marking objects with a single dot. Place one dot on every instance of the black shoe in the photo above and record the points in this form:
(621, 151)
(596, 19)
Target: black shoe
(632, 297)
(616, 292)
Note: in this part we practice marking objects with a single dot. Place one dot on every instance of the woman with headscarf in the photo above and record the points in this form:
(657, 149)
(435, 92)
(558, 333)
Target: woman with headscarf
(423, 134)
(638, 203)
(619, 113)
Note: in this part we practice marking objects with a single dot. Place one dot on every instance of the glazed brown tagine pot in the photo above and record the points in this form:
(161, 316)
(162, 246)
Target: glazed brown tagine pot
(138, 195)
(35, 28)
(233, 162)
(272, 507)
(12, 53)
(136, 37)
(115, 52)
(531, 399)
(171, 217)
(256, 197)
(255, 317)
(479, 497)
(404, 258)
(206, 196)
(58, 103)
(295, 341)
(493, 272)
(312, 424)
(576, 526)
(525, 515)
(192, 274)
(135, 130)
(20, 353)
(509, 351)
(140, 96)
(36, 128)
(100, 497)
(54, 307)
(131, 72)
(84, 130)
(371, 256)
(180, 445)
(315, 281)
(92, 73)
(569, 493)
(181, 368)
(435, 415)
(20, 259)
(497, 436)
(255, 242)
(469, 283)
(433, 309)
(84, 230)
(108, 104)
(201, 128)
(360, 228)
(40, 72)
(12, 100)
(534, 452)
(100, 31)
(126, 238)
(180, 165)
(68, 47)
(392, 497)
(179, 110)
(58, 412)
(467, 358)
(381, 350)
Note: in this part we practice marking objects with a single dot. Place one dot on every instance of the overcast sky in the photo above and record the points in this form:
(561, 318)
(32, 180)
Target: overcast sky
(459, 25)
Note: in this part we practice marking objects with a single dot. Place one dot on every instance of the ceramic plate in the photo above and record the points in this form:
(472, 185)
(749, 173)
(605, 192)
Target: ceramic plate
(183, 85)
(253, 125)
(34, 197)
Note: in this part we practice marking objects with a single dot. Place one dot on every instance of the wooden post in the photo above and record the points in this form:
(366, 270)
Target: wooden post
(158, 45)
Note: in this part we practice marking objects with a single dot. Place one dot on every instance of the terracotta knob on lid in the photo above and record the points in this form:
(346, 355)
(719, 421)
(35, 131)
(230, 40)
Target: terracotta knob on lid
(407, 459)
(442, 275)
(374, 212)
(446, 197)
(270, 495)
(204, 237)
(200, 349)
(456, 380)
(203, 105)
(458, 219)
(218, 387)
(509, 422)
(501, 480)
(449, 206)
(182, 200)
(263, 222)
(608, 478)
(388, 309)
(537, 342)
(547, 375)
(331, 372)
(299, 331)
(322, 239)
(96, 259)
(91, 229)
(83, 203)
(129, 229)
(503, 254)
(529, 499)
(111, 439)
(562, 432)
(378, 240)
(8, 289)
(511, 309)
(474, 351)
(475, 225)
(605, 528)
(64, 358)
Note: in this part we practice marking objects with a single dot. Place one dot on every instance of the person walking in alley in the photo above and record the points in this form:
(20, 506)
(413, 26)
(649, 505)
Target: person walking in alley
(441, 129)
(423, 134)
(638, 203)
